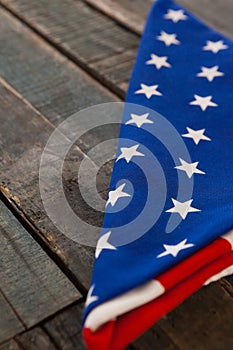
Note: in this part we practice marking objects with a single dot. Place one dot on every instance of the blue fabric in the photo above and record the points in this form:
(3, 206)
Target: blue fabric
(117, 271)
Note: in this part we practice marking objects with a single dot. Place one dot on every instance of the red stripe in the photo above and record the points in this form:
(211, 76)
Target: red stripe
(117, 335)
(194, 262)
(101, 339)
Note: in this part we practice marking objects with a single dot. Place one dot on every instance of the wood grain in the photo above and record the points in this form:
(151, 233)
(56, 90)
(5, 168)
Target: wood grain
(157, 337)
(62, 332)
(9, 322)
(65, 329)
(35, 339)
(47, 79)
(58, 88)
(10, 345)
(30, 281)
(96, 42)
(132, 14)
(87, 37)
(216, 13)
(24, 134)
(204, 321)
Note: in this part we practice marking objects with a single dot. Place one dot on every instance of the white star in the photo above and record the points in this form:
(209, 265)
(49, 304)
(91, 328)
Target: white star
(158, 61)
(196, 135)
(210, 73)
(189, 168)
(103, 244)
(128, 153)
(175, 15)
(203, 102)
(168, 39)
(214, 46)
(113, 196)
(182, 208)
(91, 298)
(139, 120)
(175, 249)
(148, 90)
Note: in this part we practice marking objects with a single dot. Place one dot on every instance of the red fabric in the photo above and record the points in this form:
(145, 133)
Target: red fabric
(194, 262)
(116, 335)
(100, 340)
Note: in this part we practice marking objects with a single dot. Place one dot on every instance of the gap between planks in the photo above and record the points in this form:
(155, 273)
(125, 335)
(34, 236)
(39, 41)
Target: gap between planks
(12, 203)
(31, 284)
(133, 14)
(86, 70)
(33, 132)
(64, 41)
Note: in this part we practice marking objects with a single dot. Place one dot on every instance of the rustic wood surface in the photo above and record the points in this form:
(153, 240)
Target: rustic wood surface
(204, 321)
(9, 322)
(57, 58)
(35, 339)
(132, 14)
(99, 44)
(90, 39)
(10, 345)
(20, 180)
(33, 60)
(47, 79)
(32, 285)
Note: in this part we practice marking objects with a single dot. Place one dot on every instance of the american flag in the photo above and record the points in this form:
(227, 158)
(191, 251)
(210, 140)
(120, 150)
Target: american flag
(169, 212)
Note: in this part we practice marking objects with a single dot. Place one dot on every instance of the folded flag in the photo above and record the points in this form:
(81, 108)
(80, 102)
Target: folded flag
(112, 325)
(169, 213)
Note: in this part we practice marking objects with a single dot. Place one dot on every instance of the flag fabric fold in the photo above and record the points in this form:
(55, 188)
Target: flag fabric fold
(169, 213)
(117, 334)
(206, 260)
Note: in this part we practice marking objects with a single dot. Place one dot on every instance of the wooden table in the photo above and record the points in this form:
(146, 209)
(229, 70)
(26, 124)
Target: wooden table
(56, 58)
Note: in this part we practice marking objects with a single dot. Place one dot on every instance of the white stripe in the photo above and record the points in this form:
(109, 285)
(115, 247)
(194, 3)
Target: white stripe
(126, 302)
(139, 296)
(226, 272)
(229, 237)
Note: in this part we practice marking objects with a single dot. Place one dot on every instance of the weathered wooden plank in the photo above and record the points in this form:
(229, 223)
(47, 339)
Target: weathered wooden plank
(61, 332)
(96, 42)
(157, 338)
(53, 238)
(38, 13)
(216, 13)
(24, 134)
(230, 281)
(9, 322)
(204, 321)
(58, 88)
(34, 286)
(51, 82)
(10, 345)
(132, 14)
(35, 339)
(66, 330)
(89, 38)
